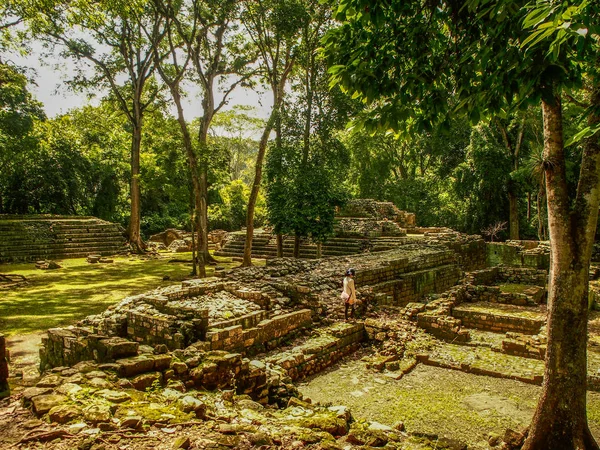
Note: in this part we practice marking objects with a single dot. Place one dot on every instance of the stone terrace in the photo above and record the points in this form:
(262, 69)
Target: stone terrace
(30, 238)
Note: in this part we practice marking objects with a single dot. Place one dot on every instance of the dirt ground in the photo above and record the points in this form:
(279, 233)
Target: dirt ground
(432, 400)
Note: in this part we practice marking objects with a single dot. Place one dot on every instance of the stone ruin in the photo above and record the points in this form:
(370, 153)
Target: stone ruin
(210, 349)
(41, 237)
(177, 241)
(362, 226)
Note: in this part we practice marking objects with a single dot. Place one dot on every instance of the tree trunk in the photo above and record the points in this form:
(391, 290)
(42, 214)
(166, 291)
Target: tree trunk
(560, 420)
(262, 148)
(513, 205)
(193, 166)
(319, 248)
(193, 229)
(279, 239)
(135, 237)
(296, 246)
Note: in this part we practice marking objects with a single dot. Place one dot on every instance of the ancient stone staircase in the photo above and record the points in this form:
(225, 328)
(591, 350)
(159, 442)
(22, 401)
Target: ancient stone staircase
(30, 238)
(264, 246)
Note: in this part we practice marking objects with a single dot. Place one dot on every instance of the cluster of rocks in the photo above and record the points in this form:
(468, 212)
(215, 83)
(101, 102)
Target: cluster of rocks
(377, 210)
(367, 227)
(98, 259)
(176, 241)
(47, 265)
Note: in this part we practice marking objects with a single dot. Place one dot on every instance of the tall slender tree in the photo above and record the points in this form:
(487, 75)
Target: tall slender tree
(219, 57)
(113, 47)
(274, 26)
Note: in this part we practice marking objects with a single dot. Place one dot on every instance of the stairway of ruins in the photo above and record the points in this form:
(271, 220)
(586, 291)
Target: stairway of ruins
(364, 225)
(30, 238)
(264, 246)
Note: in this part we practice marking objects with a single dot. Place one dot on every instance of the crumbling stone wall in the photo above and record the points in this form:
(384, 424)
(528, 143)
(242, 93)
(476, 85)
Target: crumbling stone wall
(378, 210)
(268, 332)
(4, 390)
(318, 354)
(514, 254)
(497, 322)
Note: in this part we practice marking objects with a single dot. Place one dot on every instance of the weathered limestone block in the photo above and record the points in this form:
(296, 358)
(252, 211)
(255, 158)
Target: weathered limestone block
(41, 404)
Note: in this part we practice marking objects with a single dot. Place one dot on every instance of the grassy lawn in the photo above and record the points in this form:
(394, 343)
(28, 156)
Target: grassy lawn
(53, 298)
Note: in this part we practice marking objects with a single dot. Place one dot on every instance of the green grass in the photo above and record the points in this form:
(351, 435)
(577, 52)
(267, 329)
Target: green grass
(514, 288)
(61, 297)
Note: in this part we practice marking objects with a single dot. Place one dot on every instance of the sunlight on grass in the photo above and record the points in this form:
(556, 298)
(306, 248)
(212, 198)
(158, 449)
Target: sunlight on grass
(61, 297)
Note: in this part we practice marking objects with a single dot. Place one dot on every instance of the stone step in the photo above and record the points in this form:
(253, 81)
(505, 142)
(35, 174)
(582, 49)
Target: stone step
(84, 240)
(63, 246)
(53, 254)
(501, 317)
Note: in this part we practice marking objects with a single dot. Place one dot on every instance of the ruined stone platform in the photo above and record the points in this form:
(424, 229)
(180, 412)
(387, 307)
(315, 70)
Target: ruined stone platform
(31, 238)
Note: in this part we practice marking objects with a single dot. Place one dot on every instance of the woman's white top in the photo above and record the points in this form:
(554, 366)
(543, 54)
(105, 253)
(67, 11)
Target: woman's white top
(349, 289)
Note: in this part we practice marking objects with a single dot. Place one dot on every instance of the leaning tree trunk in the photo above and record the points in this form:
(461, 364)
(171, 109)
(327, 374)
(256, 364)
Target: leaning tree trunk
(135, 237)
(262, 148)
(560, 420)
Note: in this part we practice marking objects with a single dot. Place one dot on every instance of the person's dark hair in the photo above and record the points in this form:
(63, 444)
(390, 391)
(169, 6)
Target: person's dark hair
(350, 272)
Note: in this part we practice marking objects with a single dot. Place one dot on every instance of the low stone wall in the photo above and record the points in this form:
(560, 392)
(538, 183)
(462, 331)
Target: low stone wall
(246, 321)
(318, 353)
(503, 274)
(151, 329)
(532, 296)
(254, 339)
(526, 346)
(523, 275)
(470, 250)
(4, 389)
(514, 254)
(406, 280)
(496, 321)
(62, 347)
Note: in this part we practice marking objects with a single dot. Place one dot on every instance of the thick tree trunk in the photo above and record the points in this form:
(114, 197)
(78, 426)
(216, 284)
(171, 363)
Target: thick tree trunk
(513, 214)
(296, 246)
(560, 420)
(135, 237)
(279, 239)
(262, 148)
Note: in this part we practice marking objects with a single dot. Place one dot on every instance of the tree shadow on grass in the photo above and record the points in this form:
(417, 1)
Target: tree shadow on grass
(72, 293)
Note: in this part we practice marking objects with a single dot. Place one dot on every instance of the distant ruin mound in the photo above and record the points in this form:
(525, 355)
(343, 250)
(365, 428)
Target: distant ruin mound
(35, 237)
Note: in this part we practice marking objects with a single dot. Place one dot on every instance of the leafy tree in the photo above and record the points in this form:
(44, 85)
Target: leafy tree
(274, 27)
(493, 55)
(216, 53)
(235, 130)
(114, 44)
(19, 112)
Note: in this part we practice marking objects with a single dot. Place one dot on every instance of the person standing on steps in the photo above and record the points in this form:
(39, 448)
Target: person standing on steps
(349, 293)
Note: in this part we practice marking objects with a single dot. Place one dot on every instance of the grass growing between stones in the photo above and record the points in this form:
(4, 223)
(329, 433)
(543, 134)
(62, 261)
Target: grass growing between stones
(61, 297)
(436, 401)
